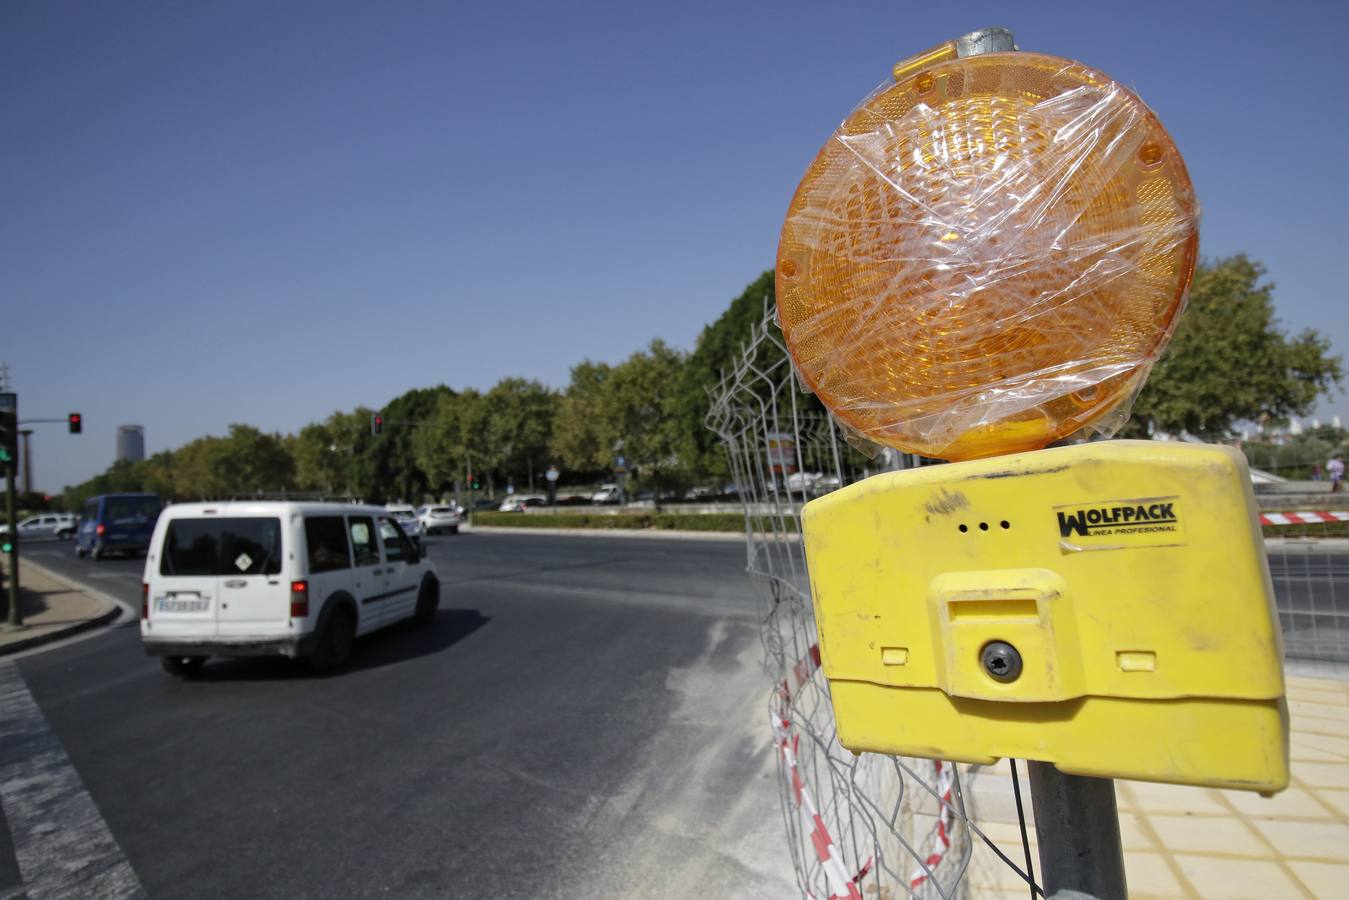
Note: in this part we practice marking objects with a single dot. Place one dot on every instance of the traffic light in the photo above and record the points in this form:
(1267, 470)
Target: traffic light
(9, 428)
(6, 545)
(376, 424)
(75, 423)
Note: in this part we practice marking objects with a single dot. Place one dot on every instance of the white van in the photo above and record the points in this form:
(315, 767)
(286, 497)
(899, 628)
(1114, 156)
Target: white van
(295, 579)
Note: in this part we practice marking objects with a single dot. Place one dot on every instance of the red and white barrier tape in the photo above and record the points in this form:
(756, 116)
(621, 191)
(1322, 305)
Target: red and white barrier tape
(941, 838)
(841, 885)
(1313, 517)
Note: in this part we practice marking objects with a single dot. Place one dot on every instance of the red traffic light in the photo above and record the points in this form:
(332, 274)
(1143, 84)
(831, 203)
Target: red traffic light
(75, 423)
(376, 424)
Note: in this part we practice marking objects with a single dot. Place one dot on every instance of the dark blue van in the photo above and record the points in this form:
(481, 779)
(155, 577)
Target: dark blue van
(116, 523)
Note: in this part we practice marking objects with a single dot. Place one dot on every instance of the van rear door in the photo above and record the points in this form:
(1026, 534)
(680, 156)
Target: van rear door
(254, 599)
(185, 591)
(224, 570)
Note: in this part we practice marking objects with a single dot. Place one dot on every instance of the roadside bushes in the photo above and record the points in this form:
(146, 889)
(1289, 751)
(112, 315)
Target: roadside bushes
(734, 522)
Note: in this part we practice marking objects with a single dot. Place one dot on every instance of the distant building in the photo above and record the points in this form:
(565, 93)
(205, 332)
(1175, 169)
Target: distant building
(130, 443)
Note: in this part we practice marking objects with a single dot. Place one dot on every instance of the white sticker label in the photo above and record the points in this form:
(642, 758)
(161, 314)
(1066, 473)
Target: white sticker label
(243, 561)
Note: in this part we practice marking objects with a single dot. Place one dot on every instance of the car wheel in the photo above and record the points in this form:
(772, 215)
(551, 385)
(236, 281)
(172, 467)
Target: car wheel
(428, 601)
(182, 666)
(79, 551)
(333, 649)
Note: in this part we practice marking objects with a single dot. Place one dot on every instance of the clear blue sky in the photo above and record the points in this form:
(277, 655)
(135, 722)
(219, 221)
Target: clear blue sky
(264, 212)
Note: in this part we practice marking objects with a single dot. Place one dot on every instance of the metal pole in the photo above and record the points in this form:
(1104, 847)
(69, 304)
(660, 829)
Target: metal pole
(1077, 824)
(15, 620)
(27, 463)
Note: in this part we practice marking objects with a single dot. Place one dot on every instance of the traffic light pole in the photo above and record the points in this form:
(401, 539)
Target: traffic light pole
(15, 620)
(1077, 826)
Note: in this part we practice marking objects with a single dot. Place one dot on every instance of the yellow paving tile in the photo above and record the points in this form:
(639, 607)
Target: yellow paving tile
(1337, 799)
(1237, 879)
(1149, 798)
(1322, 775)
(1332, 727)
(1291, 803)
(1324, 879)
(1131, 834)
(1300, 751)
(1318, 710)
(1323, 742)
(1149, 875)
(1324, 840)
(1186, 833)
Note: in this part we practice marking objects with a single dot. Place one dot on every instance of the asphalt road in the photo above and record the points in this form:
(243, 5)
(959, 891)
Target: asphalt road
(586, 718)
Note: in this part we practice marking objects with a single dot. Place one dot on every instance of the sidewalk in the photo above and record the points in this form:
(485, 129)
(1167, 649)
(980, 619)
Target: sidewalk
(1201, 843)
(52, 609)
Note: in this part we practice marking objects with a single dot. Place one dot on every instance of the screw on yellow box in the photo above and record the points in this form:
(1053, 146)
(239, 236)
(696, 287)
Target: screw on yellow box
(1105, 607)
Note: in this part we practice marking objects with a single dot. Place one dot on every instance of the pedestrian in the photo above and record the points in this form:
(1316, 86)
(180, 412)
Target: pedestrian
(1335, 469)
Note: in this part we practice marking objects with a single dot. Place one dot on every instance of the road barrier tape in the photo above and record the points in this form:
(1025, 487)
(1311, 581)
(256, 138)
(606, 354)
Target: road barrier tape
(1305, 517)
(941, 837)
(841, 885)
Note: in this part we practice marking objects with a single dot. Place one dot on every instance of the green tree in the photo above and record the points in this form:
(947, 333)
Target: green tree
(581, 438)
(392, 456)
(1230, 362)
(719, 349)
(443, 448)
(633, 405)
(519, 426)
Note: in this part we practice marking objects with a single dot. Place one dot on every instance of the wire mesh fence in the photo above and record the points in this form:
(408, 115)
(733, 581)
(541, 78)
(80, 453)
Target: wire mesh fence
(858, 826)
(864, 826)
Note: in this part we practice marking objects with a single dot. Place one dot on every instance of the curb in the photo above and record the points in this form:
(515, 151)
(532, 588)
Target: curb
(1308, 544)
(114, 611)
(646, 533)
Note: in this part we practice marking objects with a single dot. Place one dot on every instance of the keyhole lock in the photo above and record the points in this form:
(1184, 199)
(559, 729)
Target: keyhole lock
(1001, 661)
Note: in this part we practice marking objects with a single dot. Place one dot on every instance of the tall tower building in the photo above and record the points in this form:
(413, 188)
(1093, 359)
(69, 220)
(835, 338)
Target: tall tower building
(130, 442)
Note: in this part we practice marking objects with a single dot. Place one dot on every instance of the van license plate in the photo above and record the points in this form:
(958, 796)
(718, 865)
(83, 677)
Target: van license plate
(174, 604)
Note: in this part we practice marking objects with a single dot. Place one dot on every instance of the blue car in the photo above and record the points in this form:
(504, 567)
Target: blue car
(116, 523)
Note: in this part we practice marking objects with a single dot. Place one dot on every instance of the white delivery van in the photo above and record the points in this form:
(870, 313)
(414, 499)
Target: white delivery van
(296, 579)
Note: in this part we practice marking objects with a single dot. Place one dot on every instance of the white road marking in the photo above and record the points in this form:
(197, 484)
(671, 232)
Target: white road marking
(63, 846)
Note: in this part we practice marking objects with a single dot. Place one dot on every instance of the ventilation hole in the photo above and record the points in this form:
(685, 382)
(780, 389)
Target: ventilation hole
(963, 529)
(1005, 524)
(983, 526)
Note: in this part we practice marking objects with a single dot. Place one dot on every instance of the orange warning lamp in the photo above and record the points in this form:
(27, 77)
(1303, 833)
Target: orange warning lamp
(987, 256)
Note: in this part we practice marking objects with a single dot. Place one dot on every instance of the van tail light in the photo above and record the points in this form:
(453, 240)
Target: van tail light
(145, 599)
(100, 529)
(299, 599)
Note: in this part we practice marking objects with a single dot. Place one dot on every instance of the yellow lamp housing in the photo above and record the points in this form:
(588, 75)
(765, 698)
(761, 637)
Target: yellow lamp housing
(1104, 607)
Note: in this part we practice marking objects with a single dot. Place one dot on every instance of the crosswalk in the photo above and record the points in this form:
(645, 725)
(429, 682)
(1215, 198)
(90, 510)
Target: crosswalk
(62, 846)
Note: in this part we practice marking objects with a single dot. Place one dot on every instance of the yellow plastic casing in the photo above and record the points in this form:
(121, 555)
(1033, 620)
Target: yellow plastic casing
(1130, 576)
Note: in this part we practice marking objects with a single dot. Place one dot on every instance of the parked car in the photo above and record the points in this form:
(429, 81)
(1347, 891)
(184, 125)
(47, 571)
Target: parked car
(440, 518)
(116, 523)
(519, 502)
(277, 578)
(46, 525)
(407, 517)
(485, 503)
(608, 493)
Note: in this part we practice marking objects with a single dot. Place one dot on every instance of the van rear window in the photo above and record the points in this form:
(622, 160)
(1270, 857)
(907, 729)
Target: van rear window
(125, 510)
(222, 547)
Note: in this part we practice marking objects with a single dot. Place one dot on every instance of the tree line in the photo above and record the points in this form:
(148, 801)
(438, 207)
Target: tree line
(1229, 362)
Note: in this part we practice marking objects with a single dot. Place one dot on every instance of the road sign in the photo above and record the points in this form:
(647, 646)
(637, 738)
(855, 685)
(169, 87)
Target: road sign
(621, 464)
(551, 474)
